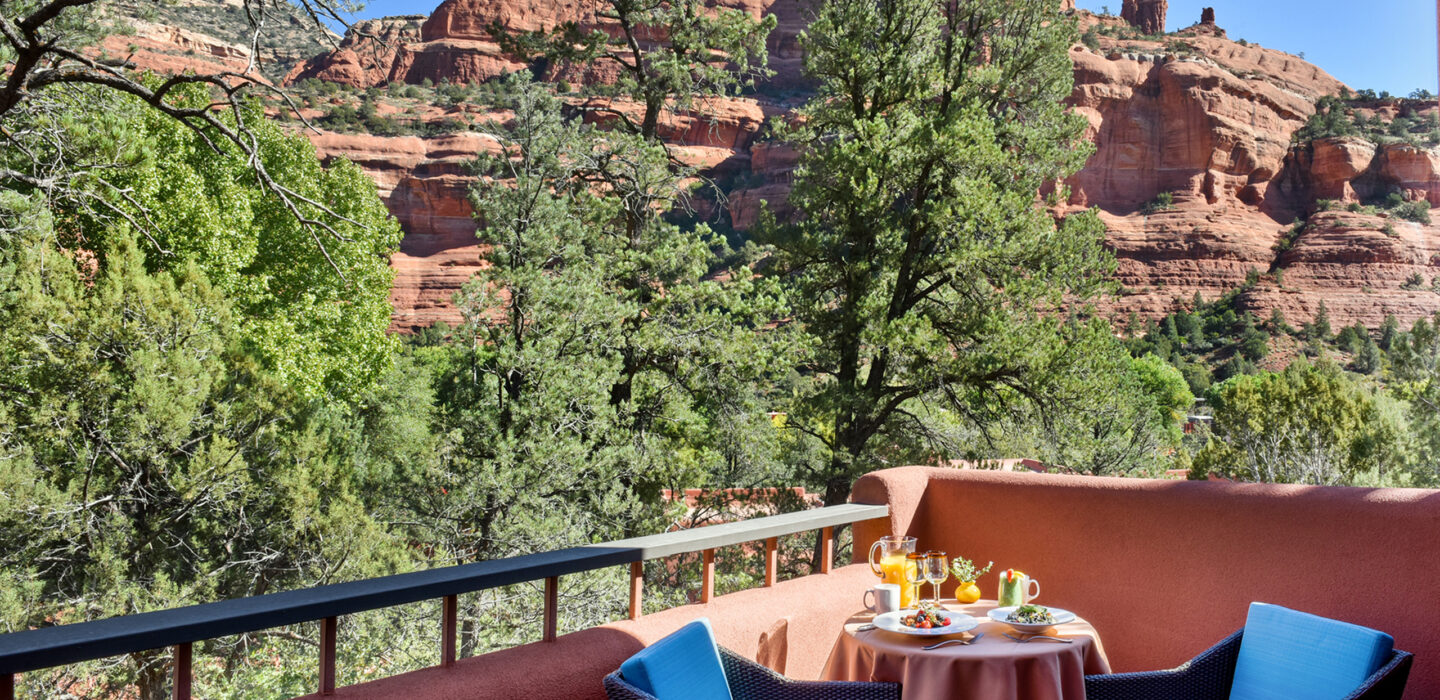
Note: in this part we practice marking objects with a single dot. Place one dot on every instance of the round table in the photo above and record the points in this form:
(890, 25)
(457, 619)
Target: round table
(993, 668)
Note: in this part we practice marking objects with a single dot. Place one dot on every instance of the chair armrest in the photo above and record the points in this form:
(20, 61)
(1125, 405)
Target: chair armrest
(1208, 676)
(616, 688)
(751, 681)
(1388, 682)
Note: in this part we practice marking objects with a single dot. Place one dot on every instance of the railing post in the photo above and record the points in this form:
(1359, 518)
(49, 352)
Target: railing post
(637, 587)
(329, 627)
(7, 686)
(183, 652)
(772, 561)
(707, 576)
(449, 614)
(552, 607)
(827, 549)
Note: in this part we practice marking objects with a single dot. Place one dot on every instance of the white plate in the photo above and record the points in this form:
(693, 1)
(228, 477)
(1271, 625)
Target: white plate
(959, 622)
(1003, 615)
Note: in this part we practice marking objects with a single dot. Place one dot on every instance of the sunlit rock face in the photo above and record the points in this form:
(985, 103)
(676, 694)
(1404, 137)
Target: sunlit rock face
(1208, 120)
(1146, 15)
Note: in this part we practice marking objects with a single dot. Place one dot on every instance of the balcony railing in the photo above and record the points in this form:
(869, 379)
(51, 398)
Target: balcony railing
(180, 628)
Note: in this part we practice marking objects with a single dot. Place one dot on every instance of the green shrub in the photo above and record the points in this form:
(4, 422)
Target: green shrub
(1417, 211)
(1164, 201)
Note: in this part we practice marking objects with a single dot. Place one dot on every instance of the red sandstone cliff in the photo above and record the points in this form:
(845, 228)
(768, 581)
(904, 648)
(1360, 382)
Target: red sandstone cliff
(1194, 114)
(455, 42)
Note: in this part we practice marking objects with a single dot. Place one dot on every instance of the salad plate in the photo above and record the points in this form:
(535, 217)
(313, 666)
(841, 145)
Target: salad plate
(895, 622)
(1058, 616)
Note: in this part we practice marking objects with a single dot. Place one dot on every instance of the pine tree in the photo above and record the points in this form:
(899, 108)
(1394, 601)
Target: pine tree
(924, 274)
(1389, 331)
(1320, 325)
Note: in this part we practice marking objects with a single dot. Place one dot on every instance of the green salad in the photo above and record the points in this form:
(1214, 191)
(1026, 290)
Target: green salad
(1032, 615)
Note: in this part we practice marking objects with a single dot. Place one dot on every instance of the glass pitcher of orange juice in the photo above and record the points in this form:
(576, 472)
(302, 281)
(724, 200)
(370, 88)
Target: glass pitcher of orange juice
(891, 564)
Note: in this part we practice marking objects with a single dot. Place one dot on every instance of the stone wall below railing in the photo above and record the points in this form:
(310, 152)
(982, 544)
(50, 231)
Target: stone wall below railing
(1164, 569)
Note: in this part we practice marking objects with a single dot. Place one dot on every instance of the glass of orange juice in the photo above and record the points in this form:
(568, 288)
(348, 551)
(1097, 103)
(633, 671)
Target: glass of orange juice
(888, 561)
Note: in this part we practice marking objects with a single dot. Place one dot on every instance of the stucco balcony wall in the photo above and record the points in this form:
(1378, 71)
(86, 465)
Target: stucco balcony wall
(1165, 568)
(798, 618)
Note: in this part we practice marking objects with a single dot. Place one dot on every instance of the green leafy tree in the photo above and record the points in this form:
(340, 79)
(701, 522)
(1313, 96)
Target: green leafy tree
(1389, 331)
(1168, 389)
(1129, 427)
(1415, 377)
(315, 316)
(149, 459)
(1277, 322)
(1254, 343)
(54, 72)
(1308, 424)
(925, 276)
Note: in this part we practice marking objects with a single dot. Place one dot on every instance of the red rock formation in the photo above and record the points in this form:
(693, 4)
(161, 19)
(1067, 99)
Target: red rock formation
(1414, 172)
(1207, 15)
(424, 183)
(1146, 15)
(1332, 165)
(365, 56)
(1211, 124)
(455, 43)
(166, 49)
(1358, 269)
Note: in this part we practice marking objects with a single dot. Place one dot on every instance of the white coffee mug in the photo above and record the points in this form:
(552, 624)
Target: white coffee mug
(886, 598)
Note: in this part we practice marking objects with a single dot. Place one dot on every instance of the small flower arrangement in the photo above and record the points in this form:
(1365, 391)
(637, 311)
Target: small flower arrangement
(964, 569)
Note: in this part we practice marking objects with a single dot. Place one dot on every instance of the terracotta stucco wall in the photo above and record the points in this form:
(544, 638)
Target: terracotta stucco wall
(1165, 568)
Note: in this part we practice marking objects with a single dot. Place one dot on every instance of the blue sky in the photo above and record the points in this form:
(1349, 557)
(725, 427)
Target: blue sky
(1377, 44)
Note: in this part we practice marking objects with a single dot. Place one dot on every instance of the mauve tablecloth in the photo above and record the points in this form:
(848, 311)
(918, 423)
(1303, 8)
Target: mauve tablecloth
(994, 668)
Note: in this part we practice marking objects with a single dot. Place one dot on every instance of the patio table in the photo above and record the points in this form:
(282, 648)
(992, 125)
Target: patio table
(993, 668)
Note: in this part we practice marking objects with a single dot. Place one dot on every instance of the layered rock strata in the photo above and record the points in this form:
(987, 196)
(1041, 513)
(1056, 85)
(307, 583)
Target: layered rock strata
(1210, 123)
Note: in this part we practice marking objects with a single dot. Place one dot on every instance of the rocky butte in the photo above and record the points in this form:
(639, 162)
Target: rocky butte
(1208, 121)
(1146, 15)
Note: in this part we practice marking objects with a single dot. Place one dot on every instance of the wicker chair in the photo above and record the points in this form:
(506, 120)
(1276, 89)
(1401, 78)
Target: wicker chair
(751, 681)
(1209, 675)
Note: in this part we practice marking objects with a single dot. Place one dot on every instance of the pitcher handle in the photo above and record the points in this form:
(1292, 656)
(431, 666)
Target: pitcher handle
(874, 565)
(1036, 594)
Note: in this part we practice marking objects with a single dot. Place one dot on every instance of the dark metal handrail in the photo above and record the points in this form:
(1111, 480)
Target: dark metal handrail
(180, 627)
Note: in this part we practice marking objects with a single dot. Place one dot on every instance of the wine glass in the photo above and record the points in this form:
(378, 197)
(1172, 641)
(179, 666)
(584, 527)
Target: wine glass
(937, 569)
(914, 576)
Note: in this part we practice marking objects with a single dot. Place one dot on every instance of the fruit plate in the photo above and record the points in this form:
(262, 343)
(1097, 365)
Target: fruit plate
(1002, 615)
(891, 621)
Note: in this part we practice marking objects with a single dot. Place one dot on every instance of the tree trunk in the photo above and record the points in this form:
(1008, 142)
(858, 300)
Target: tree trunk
(150, 677)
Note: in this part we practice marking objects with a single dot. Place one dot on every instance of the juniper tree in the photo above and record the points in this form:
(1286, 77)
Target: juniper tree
(601, 364)
(926, 275)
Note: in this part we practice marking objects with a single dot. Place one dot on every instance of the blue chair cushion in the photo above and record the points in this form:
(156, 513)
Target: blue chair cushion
(1286, 654)
(683, 666)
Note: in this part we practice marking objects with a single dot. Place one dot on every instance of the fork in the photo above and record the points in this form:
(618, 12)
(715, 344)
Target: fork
(1031, 638)
(962, 642)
